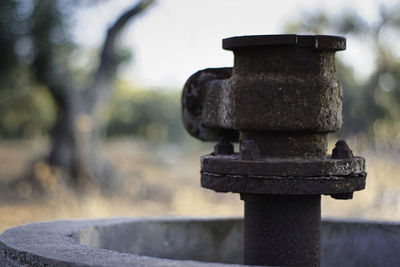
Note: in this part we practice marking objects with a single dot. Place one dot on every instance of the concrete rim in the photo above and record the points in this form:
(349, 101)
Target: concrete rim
(55, 243)
(52, 244)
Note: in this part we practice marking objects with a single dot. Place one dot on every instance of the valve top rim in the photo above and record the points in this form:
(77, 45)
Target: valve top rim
(318, 42)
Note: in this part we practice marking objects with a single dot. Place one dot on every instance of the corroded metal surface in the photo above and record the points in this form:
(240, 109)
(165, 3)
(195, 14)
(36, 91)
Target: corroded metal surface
(326, 185)
(296, 221)
(320, 42)
(195, 96)
(280, 100)
(276, 88)
(280, 144)
(283, 167)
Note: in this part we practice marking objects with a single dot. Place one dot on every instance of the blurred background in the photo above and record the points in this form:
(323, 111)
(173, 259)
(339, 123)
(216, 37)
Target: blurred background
(90, 102)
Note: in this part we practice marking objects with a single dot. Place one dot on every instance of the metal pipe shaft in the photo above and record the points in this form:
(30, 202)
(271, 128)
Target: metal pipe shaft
(282, 230)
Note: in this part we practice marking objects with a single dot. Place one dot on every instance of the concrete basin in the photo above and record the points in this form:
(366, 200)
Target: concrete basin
(181, 242)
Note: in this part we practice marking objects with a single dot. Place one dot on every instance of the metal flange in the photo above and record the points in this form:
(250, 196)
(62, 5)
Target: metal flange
(228, 173)
(318, 42)
(287, 185)
(284, 167)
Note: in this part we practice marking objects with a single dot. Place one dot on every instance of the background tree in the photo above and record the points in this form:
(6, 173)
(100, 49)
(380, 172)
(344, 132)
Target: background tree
(38, 48)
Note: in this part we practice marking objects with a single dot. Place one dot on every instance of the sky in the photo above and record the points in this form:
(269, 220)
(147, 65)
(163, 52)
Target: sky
(175, 38)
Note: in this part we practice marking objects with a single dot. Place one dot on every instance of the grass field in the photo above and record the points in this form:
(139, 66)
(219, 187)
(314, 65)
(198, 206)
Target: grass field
(164, 180)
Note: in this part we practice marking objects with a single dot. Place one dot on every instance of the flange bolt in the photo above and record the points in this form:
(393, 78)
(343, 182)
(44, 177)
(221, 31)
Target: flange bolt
(223, 147)
(342, 151)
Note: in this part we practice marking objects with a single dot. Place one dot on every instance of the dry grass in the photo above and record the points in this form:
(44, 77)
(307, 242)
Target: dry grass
(159, 181)
(165, 181)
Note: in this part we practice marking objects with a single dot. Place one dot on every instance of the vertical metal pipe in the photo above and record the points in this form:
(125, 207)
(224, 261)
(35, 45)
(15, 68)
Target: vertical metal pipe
(282, 230)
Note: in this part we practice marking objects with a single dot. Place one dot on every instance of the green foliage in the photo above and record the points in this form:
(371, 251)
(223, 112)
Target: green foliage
(152, 115)
(27, 115)
(35, 38)
(27, 110)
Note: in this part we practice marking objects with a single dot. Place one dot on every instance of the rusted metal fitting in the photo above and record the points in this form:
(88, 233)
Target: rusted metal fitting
(279, 83)
(280, 100)
(342, 151)
(223, 147)
(249, 150)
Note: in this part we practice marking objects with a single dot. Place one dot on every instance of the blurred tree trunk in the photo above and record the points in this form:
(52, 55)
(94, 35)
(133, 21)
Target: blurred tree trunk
(75, 138)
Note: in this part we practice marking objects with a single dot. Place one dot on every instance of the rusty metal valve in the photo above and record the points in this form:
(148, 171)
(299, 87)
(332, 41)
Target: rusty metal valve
(280, 100)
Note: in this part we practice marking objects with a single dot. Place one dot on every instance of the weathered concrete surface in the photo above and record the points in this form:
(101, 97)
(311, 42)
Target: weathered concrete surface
(360, 243)
(112, 242)
(181, 242)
